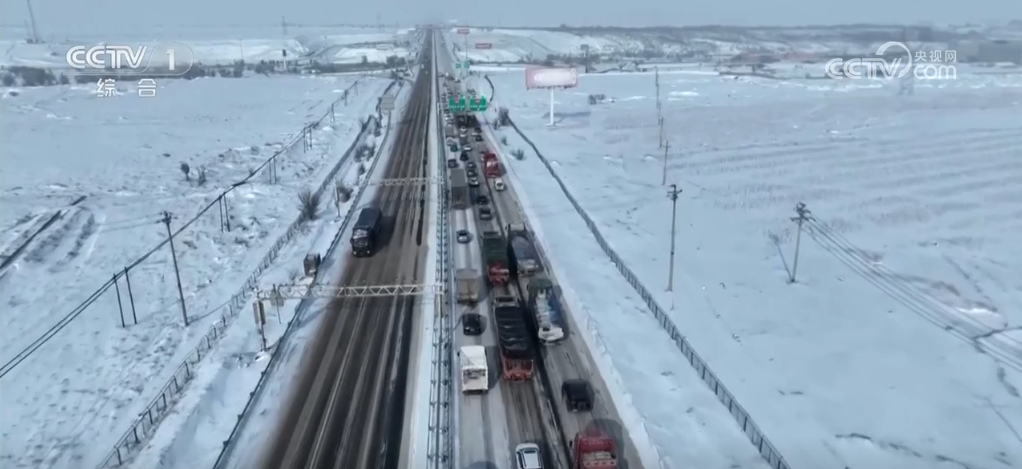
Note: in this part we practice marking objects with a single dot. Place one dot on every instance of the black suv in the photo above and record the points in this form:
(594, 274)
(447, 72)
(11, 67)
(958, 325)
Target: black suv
(577, 394)
(472, 324)
(482, 200)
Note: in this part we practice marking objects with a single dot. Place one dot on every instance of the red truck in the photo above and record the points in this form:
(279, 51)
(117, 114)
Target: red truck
(495, 257)
(594, 449)
(491, 165)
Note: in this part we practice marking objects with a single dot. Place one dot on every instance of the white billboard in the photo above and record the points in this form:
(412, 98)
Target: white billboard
(540, 77)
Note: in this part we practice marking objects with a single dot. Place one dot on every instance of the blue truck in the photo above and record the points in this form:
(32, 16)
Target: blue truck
(546, 309)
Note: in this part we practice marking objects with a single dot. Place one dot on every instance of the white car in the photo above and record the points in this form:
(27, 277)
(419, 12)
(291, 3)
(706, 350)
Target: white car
(527, 456)
(474, 182)
(464, 236)
(499, 185)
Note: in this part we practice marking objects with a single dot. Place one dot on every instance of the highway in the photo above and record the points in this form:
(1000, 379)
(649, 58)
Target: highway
(530, 411)
(347, 405)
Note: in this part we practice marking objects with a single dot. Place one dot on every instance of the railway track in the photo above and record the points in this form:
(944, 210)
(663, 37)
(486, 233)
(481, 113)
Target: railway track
(346, 408)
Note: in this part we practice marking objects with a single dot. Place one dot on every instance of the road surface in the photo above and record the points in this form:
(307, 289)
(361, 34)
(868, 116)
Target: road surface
(346, 409)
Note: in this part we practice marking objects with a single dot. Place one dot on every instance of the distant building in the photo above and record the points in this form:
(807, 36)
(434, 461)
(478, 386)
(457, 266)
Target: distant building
(985, 51)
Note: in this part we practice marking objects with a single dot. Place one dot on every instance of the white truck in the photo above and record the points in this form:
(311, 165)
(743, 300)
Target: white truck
(475, 378)
(468, 282)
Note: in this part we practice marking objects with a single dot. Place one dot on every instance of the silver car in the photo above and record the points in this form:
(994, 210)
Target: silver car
(464, 236)
(527, 456)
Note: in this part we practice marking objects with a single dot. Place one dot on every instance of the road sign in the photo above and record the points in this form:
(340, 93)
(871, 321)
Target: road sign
(462, 104)
(462, 65)
(387, 102)
(484, 45)
(463, 30)
(478, 104)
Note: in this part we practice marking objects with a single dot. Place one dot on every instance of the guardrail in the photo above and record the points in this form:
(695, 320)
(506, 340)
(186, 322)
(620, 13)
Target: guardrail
(442, 423)
(149, 419)
(766, 449)
(230, 443)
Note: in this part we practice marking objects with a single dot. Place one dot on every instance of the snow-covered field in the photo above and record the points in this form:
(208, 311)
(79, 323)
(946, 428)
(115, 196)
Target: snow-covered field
(512, 45)
(866, 361)
(68, 402)
(218, 45)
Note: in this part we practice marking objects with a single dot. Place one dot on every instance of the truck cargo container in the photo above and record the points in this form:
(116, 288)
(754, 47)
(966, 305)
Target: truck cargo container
(475, 377)
(546, 308)
(366, 232)
(468, 282)
(594, 449)
(521, 251)
(459, 188)
(495, 258)
(517, 356)
(491, 165)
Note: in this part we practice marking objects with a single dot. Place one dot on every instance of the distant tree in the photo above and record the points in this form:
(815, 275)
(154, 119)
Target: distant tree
(187, 171)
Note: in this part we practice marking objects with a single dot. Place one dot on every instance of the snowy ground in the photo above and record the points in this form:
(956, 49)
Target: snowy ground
(916, 199)
(218, 45)
(93, 376)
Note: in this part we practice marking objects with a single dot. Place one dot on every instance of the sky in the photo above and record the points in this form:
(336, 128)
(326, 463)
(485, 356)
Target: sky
(62, 16)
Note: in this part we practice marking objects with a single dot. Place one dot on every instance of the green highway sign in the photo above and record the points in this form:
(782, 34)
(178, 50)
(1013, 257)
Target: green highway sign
(462, 104)
(462, 65)
(478, 104)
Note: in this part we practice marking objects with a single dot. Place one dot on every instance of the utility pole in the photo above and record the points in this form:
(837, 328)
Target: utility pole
(804, 215)
(283, 49)
(35, 28)
(673, 195)
(667, 146)
(177, 273)
(660, 123)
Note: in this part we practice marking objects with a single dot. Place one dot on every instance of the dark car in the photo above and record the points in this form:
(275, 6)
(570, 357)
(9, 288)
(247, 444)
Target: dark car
(452, 163)
(464, 157)
(578, 395)
(472, 324)
(470, 165)
(471, 173)
(485, 214)
(479, 138)
(482, 200)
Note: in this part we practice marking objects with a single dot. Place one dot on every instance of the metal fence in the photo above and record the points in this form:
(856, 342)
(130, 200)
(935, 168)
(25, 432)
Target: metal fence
(441, 451)
(230, 444)
(145, 424)
(751, 430)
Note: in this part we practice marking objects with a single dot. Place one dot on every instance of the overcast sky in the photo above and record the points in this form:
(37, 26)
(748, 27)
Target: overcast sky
(65, 15)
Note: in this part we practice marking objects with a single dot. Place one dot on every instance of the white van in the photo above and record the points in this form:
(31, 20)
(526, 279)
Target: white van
(528, 456)
(499, 185)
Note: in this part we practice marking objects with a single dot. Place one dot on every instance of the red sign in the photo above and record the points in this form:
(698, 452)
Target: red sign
(462, 30)
(484, 45)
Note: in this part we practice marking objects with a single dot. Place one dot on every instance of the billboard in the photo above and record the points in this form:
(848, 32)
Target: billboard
(462, 30)
(540, 77)
(484, 45)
